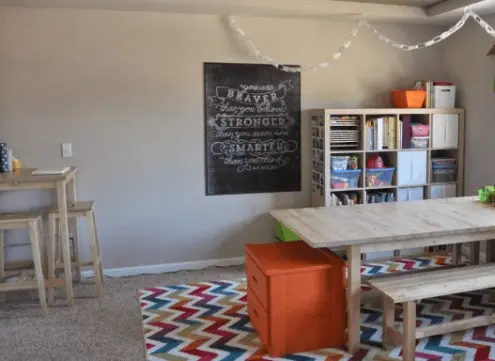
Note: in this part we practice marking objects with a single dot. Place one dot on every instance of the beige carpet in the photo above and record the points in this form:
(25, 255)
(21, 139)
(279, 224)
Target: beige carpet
(108, 329)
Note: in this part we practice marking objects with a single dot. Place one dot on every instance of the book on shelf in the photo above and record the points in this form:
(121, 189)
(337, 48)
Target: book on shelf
(400, 128)
(406, 132)
(381, 133)
(344, 199)
(381, 197)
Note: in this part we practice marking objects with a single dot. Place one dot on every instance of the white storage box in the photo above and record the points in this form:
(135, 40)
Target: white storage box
(444, 96)
(443, 191)
(410, 194)
(411, 168)
(445, 131)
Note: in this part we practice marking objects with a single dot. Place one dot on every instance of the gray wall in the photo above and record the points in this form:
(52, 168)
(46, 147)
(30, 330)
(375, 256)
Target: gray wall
(464, 54)
(126, 89)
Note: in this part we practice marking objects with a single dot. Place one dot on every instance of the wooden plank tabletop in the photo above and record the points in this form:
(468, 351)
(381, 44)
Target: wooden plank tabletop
(25, 176)
(387, 222)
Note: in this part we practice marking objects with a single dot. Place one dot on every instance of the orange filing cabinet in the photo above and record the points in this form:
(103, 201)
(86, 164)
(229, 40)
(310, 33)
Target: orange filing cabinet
(296, 297)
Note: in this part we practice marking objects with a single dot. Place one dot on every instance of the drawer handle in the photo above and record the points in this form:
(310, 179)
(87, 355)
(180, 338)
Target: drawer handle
(256, 313)
(254, 279)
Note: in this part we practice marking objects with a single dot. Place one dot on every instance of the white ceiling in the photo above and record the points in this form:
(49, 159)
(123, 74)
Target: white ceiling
(412, 11)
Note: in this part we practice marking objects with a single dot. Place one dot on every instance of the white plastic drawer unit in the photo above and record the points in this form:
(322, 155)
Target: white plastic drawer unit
(411, 167)
(445, 131)
(410, 194)
(443, 191)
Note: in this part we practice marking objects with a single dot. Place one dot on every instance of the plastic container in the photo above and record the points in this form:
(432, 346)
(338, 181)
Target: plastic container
(444, 96)
(420, 130)
(444, 174)
(419, 142)
(379, 177)
(339, 162)
(353, 162)
(408, 98)
(343, 179)
(442, 162)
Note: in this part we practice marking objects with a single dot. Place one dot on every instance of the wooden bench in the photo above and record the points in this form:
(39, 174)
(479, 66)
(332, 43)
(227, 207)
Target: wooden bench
(408, 289)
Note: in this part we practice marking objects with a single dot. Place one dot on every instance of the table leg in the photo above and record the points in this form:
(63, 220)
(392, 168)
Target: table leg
(353, 298)
(490, 250)
(409, 334)
(388, 322)
(73, 231)
(475, 252)
(456, 253)
(64, 240)
(2, 264)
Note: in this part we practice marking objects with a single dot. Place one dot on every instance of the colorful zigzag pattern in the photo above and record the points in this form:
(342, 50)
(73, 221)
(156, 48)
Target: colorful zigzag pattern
(208, 321)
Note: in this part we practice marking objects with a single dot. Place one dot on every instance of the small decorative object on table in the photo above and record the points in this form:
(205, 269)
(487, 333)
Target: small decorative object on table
(4, 158)
(487, 194)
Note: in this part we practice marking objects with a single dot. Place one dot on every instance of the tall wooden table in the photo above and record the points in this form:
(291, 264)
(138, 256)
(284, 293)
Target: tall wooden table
(386, 227)
(66, 192)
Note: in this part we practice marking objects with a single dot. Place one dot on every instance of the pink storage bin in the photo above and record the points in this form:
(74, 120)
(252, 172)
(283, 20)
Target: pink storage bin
(420, 130)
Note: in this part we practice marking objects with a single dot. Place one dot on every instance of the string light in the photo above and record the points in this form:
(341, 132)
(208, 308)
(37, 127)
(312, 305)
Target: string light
(253, 50)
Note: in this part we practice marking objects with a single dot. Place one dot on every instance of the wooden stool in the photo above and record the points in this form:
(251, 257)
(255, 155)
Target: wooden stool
(76, 209)
(32, 222)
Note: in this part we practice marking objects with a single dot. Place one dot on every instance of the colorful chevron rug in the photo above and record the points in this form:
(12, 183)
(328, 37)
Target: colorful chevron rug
(208, 321)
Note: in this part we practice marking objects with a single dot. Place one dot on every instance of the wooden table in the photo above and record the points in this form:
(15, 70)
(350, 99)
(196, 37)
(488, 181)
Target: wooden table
(66, 192)
(386, 227)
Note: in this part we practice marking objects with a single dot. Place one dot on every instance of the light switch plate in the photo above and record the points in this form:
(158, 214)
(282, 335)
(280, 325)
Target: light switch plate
(66, 150)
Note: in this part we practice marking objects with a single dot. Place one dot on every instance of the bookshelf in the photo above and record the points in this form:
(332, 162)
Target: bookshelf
(345, 132)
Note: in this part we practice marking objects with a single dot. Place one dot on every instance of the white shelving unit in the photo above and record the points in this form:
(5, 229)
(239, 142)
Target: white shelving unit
(412, 177)
(446, 139)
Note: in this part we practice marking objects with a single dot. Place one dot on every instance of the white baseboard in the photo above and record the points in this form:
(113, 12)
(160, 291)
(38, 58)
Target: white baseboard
(168, 267)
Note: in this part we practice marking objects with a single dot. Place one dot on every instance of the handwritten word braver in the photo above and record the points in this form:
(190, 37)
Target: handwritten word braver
(252, 129)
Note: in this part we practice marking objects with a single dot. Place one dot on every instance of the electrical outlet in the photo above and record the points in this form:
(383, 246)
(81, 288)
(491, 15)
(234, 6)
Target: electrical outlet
(66, 150)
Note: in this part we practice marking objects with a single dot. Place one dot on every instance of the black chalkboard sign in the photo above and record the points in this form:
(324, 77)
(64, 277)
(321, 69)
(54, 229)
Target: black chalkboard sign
(252, 129)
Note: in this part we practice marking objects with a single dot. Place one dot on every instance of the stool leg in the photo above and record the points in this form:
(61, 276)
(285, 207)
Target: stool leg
(73, 230)
(41, 240)
(94, 252)
(2, 265)
(98, 246)
(409, 335)
(35, 248)
(51, 245)
(388, 321)
(64, 239)
(58, 246)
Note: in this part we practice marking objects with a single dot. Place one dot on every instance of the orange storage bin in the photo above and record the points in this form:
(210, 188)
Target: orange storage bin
(296, 297)
(408, 98)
